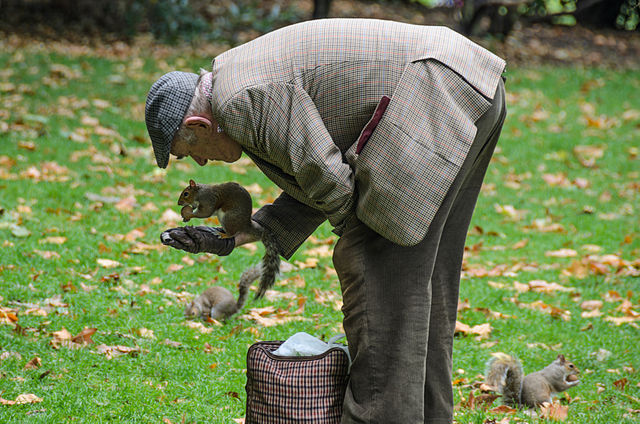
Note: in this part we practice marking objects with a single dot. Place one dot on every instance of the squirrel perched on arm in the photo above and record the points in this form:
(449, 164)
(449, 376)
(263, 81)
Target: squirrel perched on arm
(505, 374)
(218, 303)
(231, 203)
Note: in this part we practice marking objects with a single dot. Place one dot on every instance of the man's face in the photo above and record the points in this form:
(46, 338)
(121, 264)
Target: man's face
(206, 144)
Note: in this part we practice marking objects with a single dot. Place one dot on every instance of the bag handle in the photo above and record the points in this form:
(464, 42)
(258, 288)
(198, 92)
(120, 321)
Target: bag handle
(335, 338)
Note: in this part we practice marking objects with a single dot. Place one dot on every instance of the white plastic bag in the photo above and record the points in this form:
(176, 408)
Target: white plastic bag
(304, 344)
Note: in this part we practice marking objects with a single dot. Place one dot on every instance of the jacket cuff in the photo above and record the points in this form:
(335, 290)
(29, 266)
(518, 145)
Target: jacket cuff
(290, 222)
(337, 219)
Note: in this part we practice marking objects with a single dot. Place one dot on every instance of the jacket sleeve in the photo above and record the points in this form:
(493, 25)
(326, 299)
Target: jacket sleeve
(290, 221)
(280, 124)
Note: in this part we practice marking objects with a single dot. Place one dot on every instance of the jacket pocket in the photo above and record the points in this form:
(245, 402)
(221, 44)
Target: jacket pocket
(396, 178)
(410, 159)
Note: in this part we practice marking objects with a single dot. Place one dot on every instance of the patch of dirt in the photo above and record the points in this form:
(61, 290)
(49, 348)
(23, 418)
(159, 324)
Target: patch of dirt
(560, 45)
(536, 44)
(527, 45)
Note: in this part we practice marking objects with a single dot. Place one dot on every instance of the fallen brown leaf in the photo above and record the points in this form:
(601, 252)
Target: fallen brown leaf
(482, 331)
(251, 247)
(594, 313)
(503, 409)
(510, 212)
(519, 245)
(68, 287)
(145, 290)
(108, 263)
(133, 235)
(112, 351)
(463, 305)
(554, 411)
(269, 316)
(539, 305)
(545, 225)
(62, 338)
(8, 316)
(21, 399)
(233, 395)
(171, 343)
(328, 298)
(47, 254)
(53, 240)
(199, 327)
(590, 305)
(626, 308)
(541, 286)
(322, 251)
(308, 263)
(481, 401)
(145, 333)
(33, 364)
(621, 384)
(623, 320)
(170, 217)
(296, 281)
(254, 189)
(127, 204)
(174, 267)
(561, 253)
(556, 180)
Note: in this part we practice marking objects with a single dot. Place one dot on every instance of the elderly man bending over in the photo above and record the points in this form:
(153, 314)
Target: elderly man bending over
(386, 130)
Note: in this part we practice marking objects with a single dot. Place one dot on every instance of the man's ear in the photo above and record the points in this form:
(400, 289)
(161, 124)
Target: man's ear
(197, 122)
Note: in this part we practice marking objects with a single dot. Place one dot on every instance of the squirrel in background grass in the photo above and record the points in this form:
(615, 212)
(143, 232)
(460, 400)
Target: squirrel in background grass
(505, 374)
(218, 302)
(231, 203)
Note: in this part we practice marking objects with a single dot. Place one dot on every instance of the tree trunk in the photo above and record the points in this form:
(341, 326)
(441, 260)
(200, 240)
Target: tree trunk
(321, 8)
(598, 13)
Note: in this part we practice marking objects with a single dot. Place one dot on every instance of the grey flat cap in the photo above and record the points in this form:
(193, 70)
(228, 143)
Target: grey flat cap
(167, 102)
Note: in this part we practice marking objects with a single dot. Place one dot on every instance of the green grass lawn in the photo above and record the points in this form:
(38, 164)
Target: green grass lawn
(82, 205)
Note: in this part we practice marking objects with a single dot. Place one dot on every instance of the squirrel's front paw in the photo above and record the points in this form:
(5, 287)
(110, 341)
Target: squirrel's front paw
(186, 212)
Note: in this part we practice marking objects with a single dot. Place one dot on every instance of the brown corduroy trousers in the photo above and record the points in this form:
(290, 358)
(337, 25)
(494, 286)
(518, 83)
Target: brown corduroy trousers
(400, 303)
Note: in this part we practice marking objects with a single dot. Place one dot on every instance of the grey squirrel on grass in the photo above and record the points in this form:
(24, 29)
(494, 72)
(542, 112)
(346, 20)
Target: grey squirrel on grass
(218, 303)
(505, 374)
(231, 203)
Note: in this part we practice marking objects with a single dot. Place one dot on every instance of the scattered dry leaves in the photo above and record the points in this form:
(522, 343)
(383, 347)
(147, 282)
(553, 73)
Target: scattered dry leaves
(482, 331)
(270, 316)
(63, 338)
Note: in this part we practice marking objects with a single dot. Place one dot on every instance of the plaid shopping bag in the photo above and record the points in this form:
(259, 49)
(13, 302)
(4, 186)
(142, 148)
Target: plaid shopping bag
(295, 389)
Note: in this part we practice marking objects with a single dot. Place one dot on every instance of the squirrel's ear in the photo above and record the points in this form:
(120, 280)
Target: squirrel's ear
(561, 358)
(192, 183)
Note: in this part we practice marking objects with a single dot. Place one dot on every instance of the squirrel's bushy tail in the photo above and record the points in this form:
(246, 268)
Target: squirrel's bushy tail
(505, 374)
(250, 275)
(270, 263)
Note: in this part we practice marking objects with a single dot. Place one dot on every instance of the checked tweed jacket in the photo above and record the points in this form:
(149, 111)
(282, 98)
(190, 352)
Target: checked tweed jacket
(301, 101)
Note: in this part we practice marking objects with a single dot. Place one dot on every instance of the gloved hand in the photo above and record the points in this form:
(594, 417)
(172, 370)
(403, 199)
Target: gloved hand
(198, 240)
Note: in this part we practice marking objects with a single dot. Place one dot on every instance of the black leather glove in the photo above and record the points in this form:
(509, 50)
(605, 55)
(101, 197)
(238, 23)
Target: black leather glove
(198, 240)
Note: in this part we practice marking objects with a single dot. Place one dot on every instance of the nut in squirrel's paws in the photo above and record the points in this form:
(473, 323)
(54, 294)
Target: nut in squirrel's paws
(186, 212)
